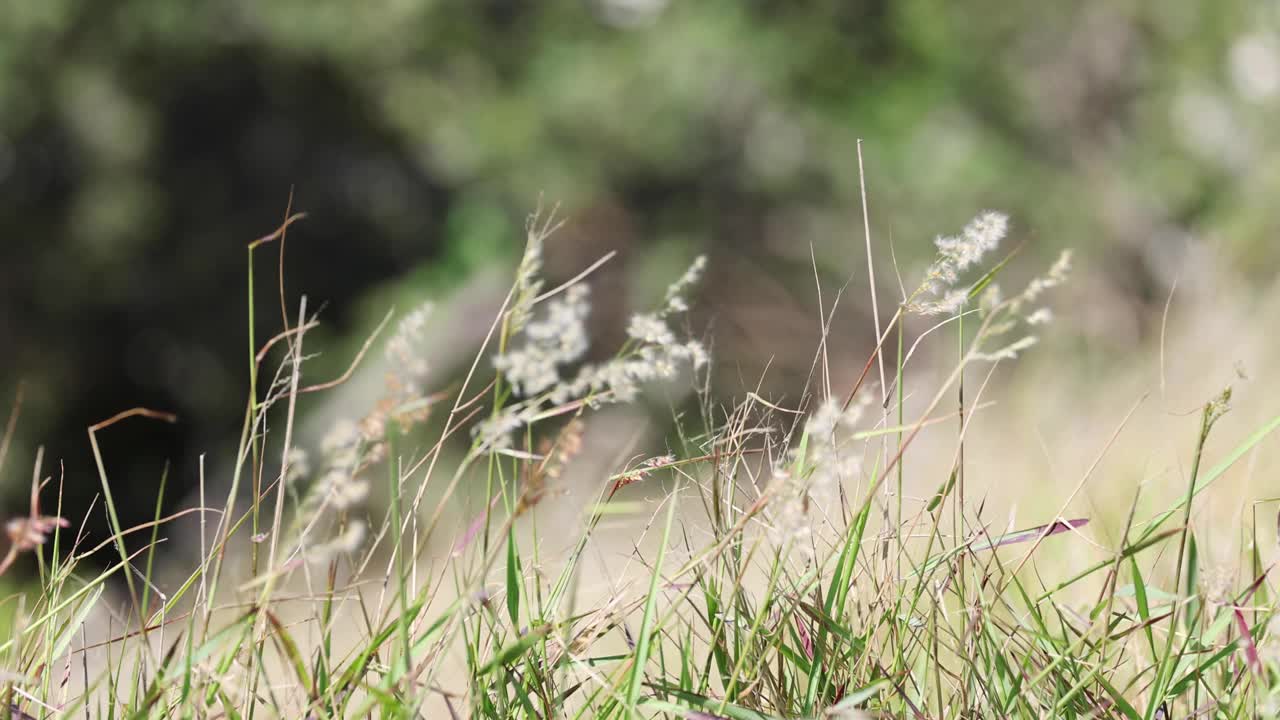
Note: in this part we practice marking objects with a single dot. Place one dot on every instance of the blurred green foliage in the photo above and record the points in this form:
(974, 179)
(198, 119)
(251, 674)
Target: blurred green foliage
(1106, 122)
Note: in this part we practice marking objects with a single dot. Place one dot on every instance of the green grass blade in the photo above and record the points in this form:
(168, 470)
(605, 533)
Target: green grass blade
(645, 639)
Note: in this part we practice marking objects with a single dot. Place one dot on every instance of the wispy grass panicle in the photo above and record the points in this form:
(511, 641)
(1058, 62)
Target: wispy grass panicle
(938, 293)
(495, 432)
(1014, 315)
(676, 301)
(558, 338)
(341, 484)
(348, 541)
(350, 447)
(808, 482)
(1009, 351)
(528, 280)
(1056, 275)
(26, 534)
(404, 401)
(404, 350)
(1219, 406)
(298, 465)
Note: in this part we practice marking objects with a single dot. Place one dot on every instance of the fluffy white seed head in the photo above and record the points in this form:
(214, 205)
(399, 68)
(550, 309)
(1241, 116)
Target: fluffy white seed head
(344, 434)
(348, 541)
(651, 329)
(404, 351)
(297, 464)
(830, 460)
(1042, 316)
(675, 299)
(557, 339)
(937, 294)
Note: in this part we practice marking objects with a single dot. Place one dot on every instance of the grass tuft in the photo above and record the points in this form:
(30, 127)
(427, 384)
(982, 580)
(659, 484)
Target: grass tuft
(512, 567)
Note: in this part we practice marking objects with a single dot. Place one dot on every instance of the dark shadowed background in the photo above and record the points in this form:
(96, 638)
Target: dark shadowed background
(144, 143)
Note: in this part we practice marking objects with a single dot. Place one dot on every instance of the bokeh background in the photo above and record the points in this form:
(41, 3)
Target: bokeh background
(144, 143)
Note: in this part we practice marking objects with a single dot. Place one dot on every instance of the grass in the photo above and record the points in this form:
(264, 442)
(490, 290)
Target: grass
(777, 570)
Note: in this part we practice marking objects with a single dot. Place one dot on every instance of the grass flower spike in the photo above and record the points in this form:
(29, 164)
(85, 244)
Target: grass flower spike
(808, 484)
(938, 294)
(558, 338)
